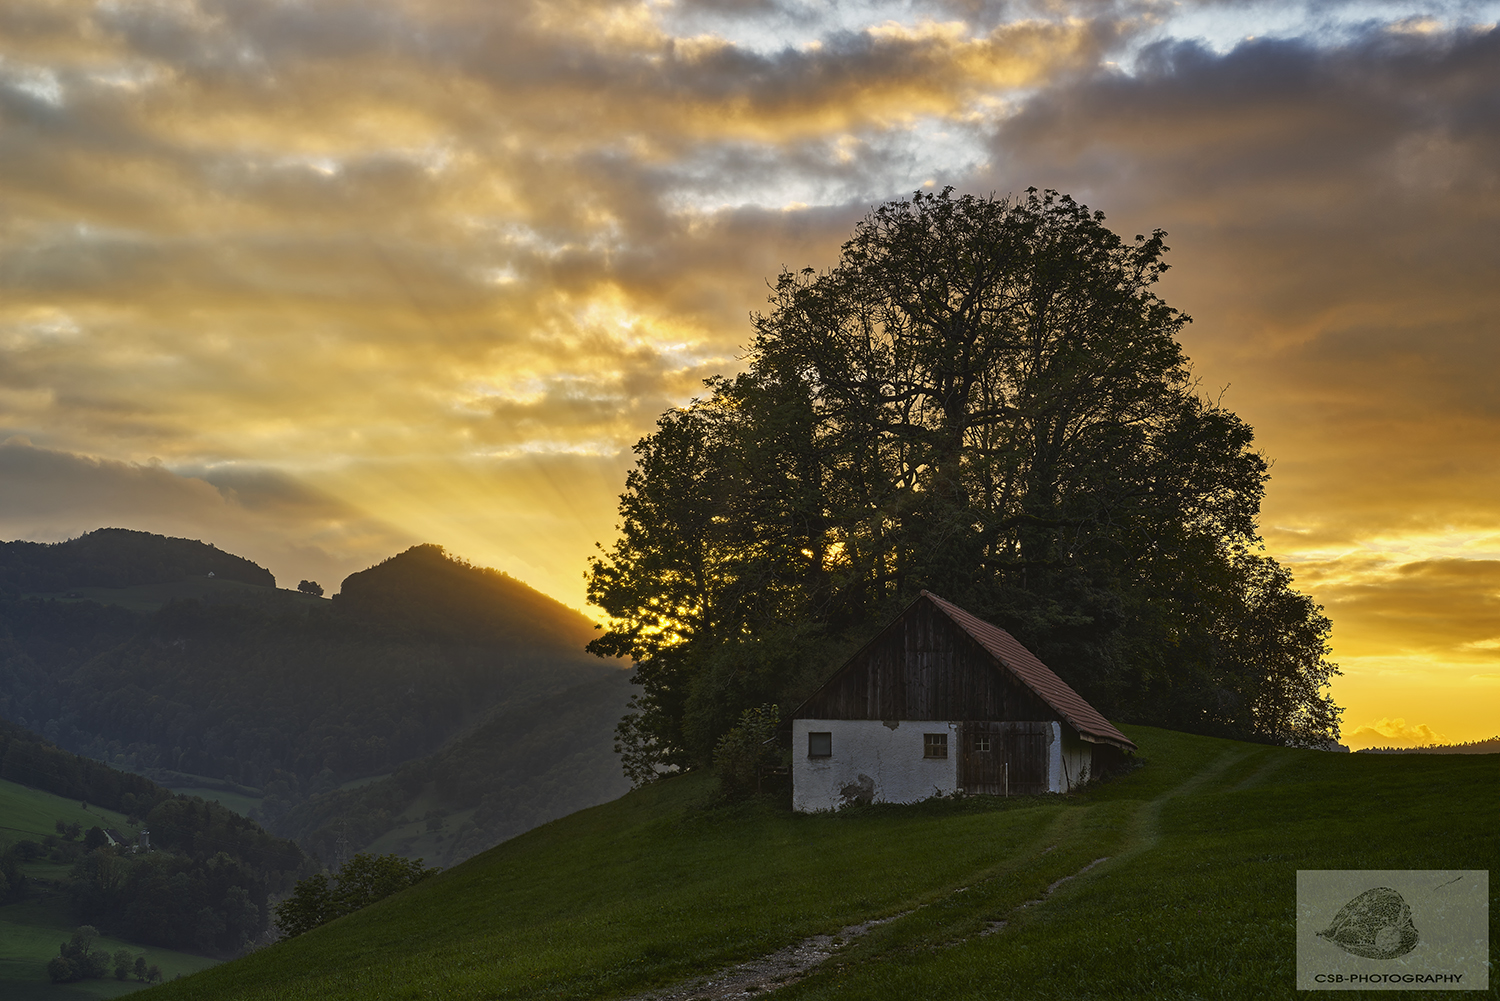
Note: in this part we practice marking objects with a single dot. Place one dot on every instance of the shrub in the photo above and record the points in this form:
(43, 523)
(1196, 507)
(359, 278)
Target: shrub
(363, 880)
(747, 749)
(62, 970)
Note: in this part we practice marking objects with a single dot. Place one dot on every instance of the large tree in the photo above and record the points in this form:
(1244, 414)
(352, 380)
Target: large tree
(985, 398)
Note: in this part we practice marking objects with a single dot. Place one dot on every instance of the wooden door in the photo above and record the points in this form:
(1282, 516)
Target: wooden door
(1026, 758)
(981, 768)
(1002, 758)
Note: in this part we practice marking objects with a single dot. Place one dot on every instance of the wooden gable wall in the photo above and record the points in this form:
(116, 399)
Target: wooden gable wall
(923, 667)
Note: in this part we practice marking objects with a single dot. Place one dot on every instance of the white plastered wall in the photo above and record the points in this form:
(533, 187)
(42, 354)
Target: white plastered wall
(871, 760)
(1075, 757)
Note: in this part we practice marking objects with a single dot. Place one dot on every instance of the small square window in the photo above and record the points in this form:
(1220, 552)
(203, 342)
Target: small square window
(934, 745)
(820, 745)
(981, 742)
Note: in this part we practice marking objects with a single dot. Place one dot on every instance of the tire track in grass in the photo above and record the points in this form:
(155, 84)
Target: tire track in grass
(991, 927)
(1143, 835)
(1145, 828)
(799, 961)
(768, 973)
(1277, 762)
(796, 962)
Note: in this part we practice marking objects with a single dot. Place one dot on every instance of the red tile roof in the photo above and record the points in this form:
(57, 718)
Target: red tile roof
(1035, 675)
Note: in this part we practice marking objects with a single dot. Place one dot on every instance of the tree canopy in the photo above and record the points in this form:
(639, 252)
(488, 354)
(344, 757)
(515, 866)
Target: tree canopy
(985, 398)
(361, 881)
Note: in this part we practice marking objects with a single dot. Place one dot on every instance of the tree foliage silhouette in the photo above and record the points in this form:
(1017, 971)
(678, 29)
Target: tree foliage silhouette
(985, 398)
(361, 881)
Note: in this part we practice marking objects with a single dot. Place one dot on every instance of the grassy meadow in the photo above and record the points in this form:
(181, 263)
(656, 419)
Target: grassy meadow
(32, 930)
(1195, 900)
(30, 933)
(30, 814)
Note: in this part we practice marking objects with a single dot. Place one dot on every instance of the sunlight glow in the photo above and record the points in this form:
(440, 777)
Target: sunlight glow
(425, 272)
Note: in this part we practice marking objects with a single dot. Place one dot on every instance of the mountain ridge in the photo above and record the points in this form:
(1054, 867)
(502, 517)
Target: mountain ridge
(292, 696)
(117, 558)
(427, 586)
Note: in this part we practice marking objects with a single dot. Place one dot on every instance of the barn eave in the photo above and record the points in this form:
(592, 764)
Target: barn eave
(1008, 654)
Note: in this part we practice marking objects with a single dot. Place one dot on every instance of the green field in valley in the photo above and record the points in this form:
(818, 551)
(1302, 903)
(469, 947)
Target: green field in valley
(1194, 899)
(30, 934)
(32, 930)
(32, 814)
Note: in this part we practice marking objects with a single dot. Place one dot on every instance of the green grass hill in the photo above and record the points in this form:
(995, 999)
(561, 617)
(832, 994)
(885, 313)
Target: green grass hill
(1194, 896)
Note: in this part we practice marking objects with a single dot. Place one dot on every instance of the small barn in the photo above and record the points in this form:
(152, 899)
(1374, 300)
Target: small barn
(942, 702)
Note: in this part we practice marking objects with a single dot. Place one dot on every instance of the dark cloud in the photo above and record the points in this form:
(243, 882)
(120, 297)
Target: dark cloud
(1331, 213)
(1449, 607)
(44, 483)
(344, 265)
(296, 531)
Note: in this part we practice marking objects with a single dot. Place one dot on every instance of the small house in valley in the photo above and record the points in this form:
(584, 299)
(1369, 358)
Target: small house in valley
(942, 702)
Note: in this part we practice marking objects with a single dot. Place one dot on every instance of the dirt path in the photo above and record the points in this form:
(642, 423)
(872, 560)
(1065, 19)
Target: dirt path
(768, 973)
(797, 962)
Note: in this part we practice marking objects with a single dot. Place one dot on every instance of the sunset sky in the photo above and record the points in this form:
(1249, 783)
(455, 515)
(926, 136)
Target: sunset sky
(315, 280)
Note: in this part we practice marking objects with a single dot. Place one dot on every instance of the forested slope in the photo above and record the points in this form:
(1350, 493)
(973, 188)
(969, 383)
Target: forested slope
(520, 768)
(29, 760)
(297, 697)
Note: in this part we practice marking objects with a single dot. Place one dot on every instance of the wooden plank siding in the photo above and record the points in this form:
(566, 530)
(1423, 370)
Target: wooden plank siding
(923, 667)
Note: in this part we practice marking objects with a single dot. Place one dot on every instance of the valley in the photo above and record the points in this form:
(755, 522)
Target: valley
(444, 712)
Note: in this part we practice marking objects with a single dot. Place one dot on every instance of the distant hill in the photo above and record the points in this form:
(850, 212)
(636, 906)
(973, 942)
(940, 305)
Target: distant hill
(207, 590)
(294, 697)
(428, 592)
(118, 557)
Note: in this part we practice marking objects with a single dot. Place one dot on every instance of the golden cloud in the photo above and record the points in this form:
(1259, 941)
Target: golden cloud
(1387, 732)
(422, 258)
